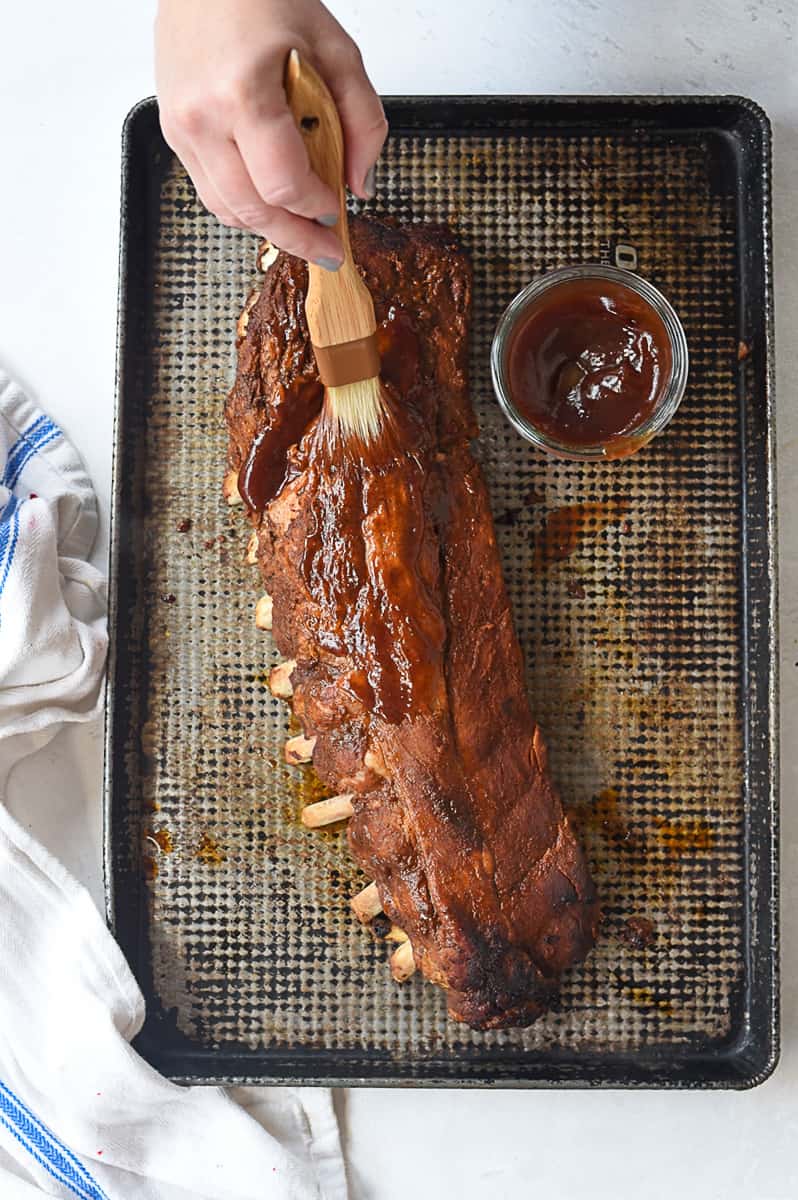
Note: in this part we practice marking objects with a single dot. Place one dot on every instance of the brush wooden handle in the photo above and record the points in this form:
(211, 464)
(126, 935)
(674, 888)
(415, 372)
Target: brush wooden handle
(338, 305)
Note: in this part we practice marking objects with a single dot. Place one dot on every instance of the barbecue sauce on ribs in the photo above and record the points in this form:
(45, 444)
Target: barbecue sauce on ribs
(370, 559)
(290, 412)
(387, 591)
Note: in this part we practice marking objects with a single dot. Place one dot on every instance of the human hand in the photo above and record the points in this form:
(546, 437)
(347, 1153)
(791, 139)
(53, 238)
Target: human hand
(219, 68)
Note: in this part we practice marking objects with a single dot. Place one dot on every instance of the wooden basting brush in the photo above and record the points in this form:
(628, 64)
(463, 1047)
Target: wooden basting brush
(338, 307)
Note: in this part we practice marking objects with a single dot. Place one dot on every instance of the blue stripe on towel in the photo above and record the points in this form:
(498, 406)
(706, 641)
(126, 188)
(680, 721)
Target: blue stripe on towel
(52, 434)
(7, 526)
(7, 511)
(25, 436)
(9, 535)
(32, 440)
(45, 1147)
(33, 1153)
(23, 441)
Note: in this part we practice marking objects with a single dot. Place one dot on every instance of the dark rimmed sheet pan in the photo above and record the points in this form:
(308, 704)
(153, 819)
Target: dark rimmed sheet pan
(644, 594)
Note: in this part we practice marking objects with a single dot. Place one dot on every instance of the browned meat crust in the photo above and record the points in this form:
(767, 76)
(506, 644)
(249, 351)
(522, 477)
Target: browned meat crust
(387, 591)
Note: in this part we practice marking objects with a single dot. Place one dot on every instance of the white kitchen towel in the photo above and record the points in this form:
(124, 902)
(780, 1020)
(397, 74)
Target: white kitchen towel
(81, 1114)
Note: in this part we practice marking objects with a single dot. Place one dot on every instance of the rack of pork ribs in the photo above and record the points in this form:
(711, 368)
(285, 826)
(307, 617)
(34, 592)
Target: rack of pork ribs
(384, 591)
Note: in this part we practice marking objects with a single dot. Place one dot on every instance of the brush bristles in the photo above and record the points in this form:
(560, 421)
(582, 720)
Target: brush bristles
(357, 409)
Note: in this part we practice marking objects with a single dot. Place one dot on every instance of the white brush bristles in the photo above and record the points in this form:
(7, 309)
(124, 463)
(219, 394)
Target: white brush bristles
(357, 409)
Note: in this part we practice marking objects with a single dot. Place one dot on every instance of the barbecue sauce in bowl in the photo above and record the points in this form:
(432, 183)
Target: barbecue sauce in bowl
(589, 362)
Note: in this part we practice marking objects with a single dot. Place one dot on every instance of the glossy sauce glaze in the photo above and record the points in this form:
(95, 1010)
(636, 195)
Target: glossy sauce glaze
(399, 349)
(369, 559)
(371, 562)
(588, 362)
(291, 411)
(293, 408)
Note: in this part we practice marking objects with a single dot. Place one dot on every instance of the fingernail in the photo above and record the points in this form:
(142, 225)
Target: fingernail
(329, 264)
(369, 184)
(329, 219)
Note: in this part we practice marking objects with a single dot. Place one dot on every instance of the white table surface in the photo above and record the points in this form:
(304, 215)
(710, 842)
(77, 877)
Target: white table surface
(68, 74)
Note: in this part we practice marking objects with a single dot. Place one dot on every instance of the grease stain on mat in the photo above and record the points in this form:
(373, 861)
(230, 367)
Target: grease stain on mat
(645, 997)
(685, 837)
(602, 814)
(163, 843)
(637, 932)
(209, 852)
(163, 839)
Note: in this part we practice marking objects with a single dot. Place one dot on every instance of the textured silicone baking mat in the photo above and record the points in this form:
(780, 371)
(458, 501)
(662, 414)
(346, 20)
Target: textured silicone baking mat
(642, 593)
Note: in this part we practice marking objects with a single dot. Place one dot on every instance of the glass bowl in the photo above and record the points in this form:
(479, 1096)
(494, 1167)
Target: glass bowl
(671, 390)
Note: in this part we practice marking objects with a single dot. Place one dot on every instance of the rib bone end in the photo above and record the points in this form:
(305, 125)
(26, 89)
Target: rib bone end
(243, 320)
(280, 679)
(299, 750)
(374, 760)
(327, 812)
(263, 613)
(267, 255)
(366, 904)
(230, 489)
(403, 964)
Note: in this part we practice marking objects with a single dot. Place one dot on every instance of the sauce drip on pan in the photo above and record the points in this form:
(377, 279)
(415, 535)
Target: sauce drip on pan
(291, 411)
(565, 529)
(589, 362)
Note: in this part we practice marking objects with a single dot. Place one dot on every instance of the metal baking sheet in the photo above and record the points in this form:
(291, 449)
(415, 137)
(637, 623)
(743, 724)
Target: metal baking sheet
(643, 591)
